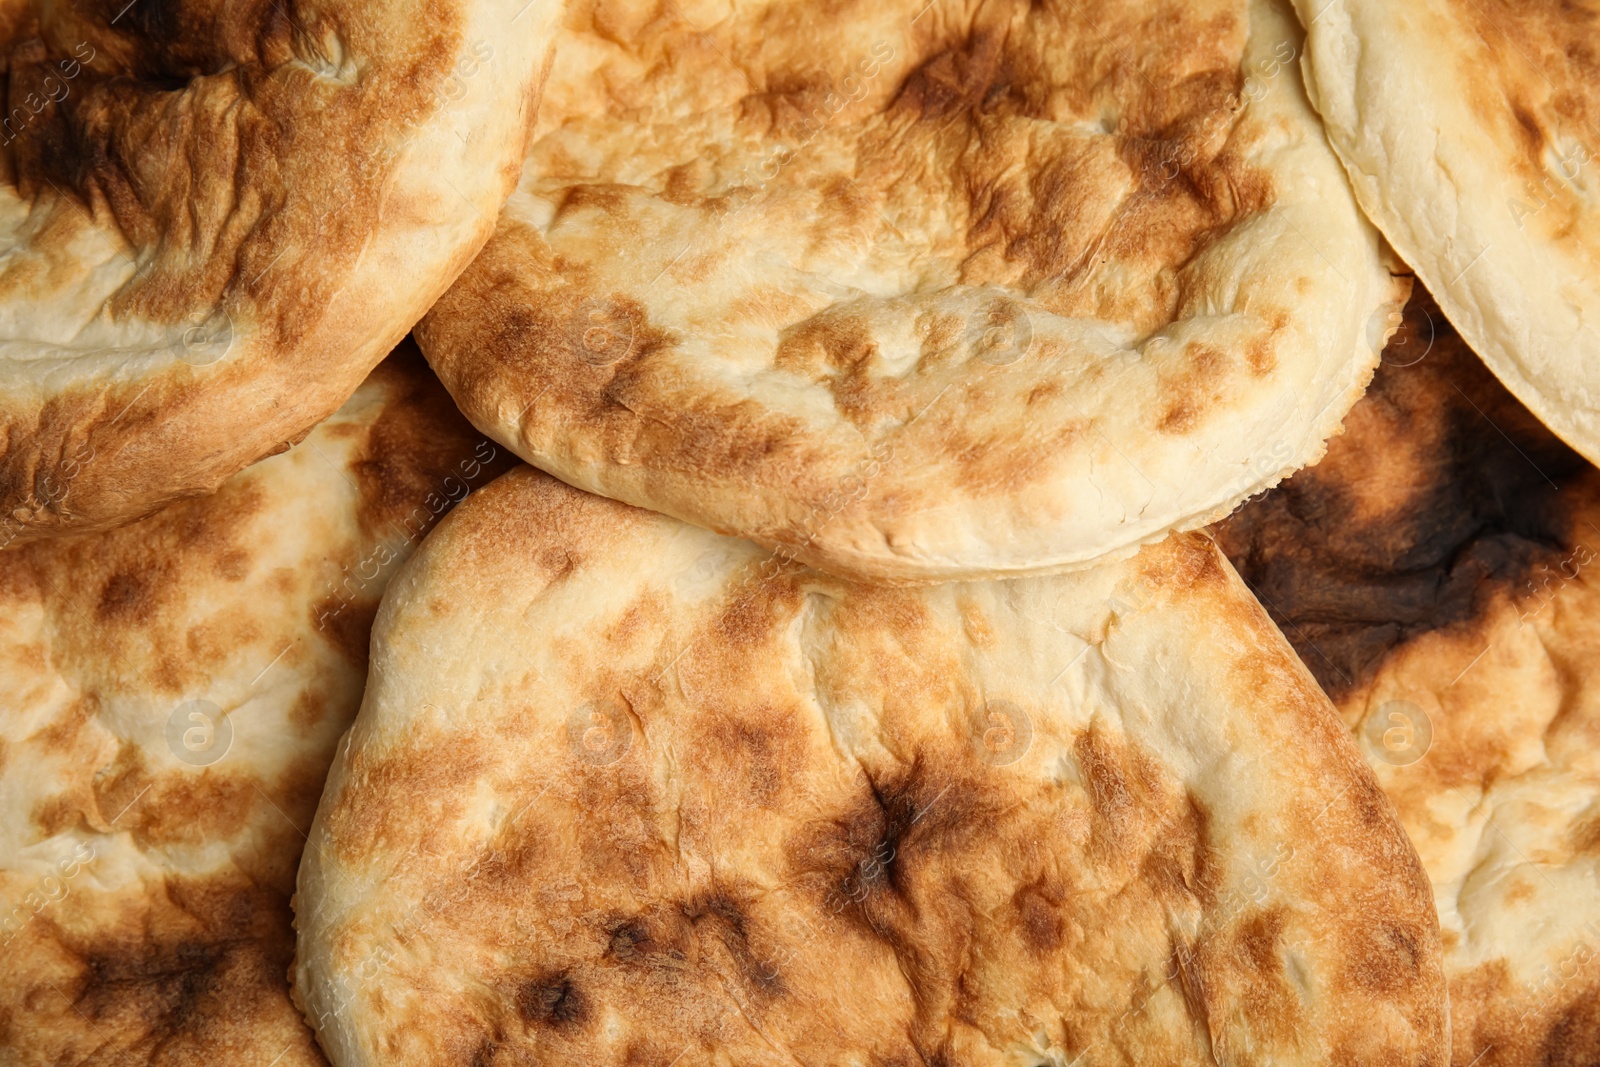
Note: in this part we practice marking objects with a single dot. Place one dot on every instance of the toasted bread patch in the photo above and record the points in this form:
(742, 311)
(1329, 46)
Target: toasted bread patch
(1437, 572)
(681, 799)
(919, 292)
(216, 219)
(174, 692)
(1471, 133)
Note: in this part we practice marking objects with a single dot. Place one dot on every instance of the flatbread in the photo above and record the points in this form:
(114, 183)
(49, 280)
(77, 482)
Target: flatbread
(624, 791)
(173, 692)
(922, 290)
(1438, 570)
(215, 218)
(1471, 132)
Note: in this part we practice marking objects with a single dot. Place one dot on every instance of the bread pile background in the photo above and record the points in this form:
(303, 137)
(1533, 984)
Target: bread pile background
(903, 533)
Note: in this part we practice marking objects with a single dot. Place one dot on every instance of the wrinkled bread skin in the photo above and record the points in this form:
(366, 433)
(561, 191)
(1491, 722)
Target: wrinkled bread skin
(1444, 554)
(217, 218)
(625, 791)
(145, 900)
(1479, 162)
(920, 291)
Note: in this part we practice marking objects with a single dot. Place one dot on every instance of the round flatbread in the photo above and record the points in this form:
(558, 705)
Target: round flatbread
(1440, 571)
(626, 791)
(173, 692)
(923, 290)
(216, 218)
(1471, 132)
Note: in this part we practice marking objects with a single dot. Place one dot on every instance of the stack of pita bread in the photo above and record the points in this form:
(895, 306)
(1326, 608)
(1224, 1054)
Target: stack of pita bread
(898, 647)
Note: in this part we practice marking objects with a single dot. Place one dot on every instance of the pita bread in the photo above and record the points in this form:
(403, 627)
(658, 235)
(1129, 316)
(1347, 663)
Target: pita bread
(174, 690)
(1446, 593)
(922, 290)
(1471, 132)
(216, 218)
(626, 791)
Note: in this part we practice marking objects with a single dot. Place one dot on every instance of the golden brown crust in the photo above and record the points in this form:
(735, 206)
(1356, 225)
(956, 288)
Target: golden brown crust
(1534, 69)
(146, 890)
(921, 292)
(1438, 566)
(218, 218)
(625, 791)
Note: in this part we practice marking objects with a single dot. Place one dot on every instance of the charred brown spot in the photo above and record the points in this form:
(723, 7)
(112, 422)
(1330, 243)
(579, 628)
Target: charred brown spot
(558, 562)
(421, 456)
(1261, 356)
(1184, 859)
(178, 977)
(1534, 60)
(725, 920)
(755, 749)
(310, 708)
(185, 970)
(1574, 1037)
(125, 597)
(1586, 836)
(55, 815)
(606, 199)
(1259, 939)
(1044, 391)
(1039, 916)
(1443, 493)
(62, 733)
(1385, 957)
(1532, 132)
(980, 465)
(866, 865)
(629, 940)
(970, 73)
(187, 808)
(347, 625)
(396, 778)
(878, 835)
(1192, 389)
(839, 342)
(1109, 794)
(747, 621)
(553, 1000)
(541, 336)
(1177, 417)
(232, 565)
(1372, 807)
